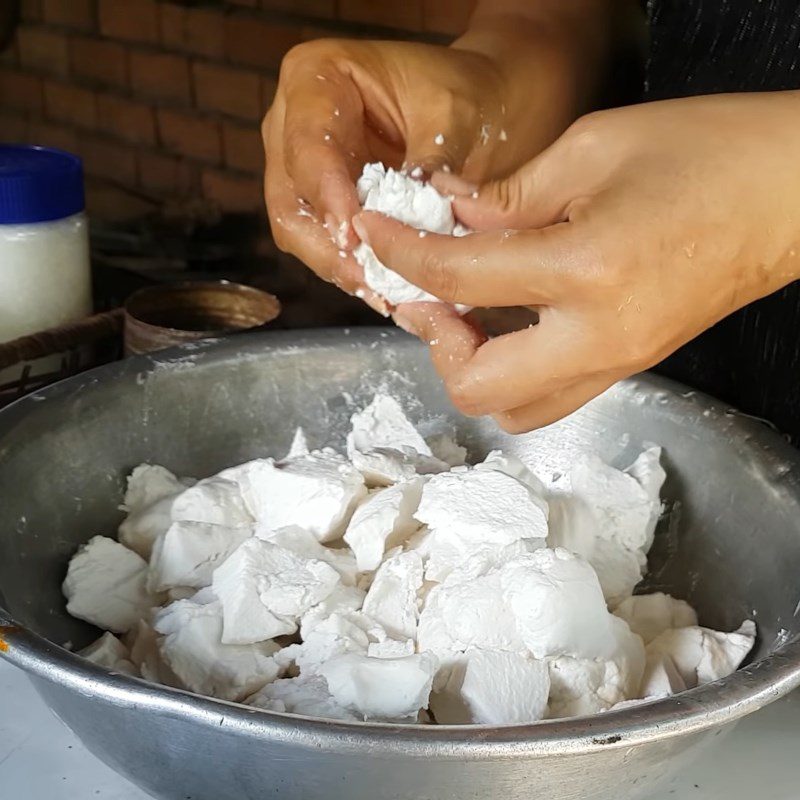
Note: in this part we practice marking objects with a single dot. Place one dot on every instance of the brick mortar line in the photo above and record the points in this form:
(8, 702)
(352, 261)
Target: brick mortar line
(345, 26)
(156, 104)
(340, 27)
(157, 49)
(223, 168)
(32, 118)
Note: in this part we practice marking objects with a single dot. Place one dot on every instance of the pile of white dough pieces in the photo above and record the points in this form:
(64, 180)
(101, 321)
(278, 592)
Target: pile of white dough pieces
(394, 583)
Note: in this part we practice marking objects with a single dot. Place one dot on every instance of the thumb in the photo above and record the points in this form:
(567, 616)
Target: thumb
(542, 192)
(534, 196)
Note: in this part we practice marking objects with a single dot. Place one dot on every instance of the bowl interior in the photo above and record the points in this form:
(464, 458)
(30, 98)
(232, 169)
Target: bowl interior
(729, 542)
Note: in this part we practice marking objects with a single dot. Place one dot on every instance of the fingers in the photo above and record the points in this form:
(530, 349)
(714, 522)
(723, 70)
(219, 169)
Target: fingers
(554, 407)
(453, 341)
(324, 147)
(505, 373)
(494, 268)
(533, 197)
(296, 228)
(542, 192)
(455, 345)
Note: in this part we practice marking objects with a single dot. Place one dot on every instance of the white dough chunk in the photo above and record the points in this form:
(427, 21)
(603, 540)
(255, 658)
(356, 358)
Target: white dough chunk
(545, 603)
(384, 520)
(106, 585)
(264, 589)
(391, 648)
(414, 203)
(619, 570)
(580, 686)
(189, 552)
(392, 600)
(304, 544)
(306, 695)
(386, 447)
(140, 530)
(471, 613)
(299, 446)
(447, 450)
(650, 475)
(514, 468)
(381, 688)
(483, 502)
(109, 652)
(609, 518)
(493, 688)
(701, 655)
(149, 483)
(650, 615)
(317, 492)
(558, 604)
(215, 501)
(383, 424)
(342, 600)
(661, 678)
(625, 504)
(472, 510)
(148, 501)
(336, 635)
(192, 647)
(723, 653)
(144, 644)
(383, 467)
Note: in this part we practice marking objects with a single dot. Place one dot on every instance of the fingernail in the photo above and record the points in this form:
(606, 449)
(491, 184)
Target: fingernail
(361, 229)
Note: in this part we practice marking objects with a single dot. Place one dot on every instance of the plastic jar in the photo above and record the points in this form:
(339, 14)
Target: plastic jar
(45, 273)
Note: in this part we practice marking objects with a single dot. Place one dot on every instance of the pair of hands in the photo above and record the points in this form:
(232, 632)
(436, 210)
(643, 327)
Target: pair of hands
(341, 104)
(634, 231)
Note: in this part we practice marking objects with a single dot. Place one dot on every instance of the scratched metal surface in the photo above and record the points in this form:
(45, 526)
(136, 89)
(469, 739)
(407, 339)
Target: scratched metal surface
(751, 359)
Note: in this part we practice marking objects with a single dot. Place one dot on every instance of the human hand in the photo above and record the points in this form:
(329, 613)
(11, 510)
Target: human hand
(481, 107)
(635, 231)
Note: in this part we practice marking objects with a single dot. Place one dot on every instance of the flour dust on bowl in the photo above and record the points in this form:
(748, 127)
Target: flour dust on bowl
(729, 544)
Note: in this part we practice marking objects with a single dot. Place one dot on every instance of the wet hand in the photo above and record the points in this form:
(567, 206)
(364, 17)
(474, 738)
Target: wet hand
(635, 231)
(481, 107)
(342, 104)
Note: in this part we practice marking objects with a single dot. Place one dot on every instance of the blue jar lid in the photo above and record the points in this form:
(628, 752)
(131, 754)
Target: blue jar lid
(39, 184)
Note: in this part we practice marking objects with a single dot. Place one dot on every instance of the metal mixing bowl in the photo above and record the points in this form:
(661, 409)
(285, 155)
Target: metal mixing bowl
(730, 544)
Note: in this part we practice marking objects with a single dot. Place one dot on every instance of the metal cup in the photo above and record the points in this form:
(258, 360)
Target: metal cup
(162, 316)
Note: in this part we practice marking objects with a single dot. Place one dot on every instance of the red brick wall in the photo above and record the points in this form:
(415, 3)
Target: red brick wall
(165, 98)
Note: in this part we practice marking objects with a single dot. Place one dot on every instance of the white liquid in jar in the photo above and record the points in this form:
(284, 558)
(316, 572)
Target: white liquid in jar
(45, 281)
